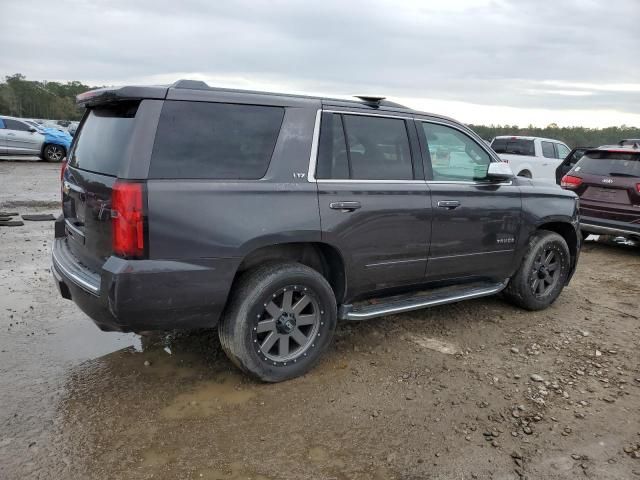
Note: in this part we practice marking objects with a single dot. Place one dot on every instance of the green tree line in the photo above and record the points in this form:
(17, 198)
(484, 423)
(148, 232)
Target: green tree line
(20, 97)
(572, 136)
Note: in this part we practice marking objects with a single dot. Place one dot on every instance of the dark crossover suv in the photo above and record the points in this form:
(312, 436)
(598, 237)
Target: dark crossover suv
(272, 216)
(607, 180)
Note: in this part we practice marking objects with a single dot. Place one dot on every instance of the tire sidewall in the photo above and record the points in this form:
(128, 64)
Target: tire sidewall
(46, 149)
(253, 306)
(554, 242)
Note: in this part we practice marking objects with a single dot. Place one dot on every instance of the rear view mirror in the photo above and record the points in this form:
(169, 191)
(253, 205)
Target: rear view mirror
(499, 171)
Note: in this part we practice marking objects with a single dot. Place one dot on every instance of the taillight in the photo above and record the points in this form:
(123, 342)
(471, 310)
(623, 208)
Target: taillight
(638, 187)
(127, 219)
(63, 167)
(570, 182)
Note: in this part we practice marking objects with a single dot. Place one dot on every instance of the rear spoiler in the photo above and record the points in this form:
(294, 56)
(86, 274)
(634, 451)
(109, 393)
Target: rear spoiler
(118, 94)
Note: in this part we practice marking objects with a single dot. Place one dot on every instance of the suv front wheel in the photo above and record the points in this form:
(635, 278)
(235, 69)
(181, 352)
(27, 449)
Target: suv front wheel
(279, 320)
(543, 272)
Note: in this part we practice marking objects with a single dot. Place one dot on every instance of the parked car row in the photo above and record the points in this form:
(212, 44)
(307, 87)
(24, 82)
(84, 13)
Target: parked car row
(22, 137)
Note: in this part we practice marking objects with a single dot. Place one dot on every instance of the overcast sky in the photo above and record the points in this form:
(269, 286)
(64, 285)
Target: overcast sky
(573, 62)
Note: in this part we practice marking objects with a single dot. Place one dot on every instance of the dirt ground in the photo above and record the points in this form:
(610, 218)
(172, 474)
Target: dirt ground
(473, 390)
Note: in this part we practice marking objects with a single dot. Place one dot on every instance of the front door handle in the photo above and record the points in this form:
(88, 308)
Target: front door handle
(345, 206)
(448, 204)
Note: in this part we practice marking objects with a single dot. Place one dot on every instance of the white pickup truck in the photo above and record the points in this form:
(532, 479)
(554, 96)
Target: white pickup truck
(531, 157)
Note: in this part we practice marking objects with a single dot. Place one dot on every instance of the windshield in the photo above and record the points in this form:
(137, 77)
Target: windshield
(609, 164)
(513, 146)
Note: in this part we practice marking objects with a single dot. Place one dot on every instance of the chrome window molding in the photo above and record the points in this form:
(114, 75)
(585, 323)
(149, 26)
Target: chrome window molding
(313, 159)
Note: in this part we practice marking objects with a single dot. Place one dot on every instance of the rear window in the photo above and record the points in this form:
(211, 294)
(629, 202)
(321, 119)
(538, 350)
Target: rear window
(215, 140)
(609, 164)
(513, 146)
(104, 138)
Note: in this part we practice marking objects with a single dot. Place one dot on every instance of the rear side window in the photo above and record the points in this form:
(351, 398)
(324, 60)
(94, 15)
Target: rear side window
(609, 164)
(104, 138)
(513, 146)
(215, 140)
(363, 147)
(547, 150)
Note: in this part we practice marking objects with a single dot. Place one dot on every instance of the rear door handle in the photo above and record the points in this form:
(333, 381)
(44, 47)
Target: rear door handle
(345, 206)
(448, 204)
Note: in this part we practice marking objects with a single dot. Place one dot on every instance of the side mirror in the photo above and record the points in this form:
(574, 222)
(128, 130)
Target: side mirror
(33, 129)
(499, 171)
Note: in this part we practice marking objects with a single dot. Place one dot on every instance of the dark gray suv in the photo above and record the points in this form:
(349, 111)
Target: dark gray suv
(272, 216)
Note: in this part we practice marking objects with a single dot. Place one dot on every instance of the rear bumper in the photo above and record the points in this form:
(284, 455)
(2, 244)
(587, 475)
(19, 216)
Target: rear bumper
(144, 295)
(609, 227)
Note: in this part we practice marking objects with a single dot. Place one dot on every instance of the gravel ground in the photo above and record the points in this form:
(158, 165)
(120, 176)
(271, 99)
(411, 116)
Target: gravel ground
(473, 390)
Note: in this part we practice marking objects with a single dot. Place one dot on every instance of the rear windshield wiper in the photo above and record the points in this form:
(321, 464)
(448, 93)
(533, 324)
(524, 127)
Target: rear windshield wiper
(621, 174)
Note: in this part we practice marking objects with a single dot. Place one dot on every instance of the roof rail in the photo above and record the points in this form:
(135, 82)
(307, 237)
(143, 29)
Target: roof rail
(191, 84)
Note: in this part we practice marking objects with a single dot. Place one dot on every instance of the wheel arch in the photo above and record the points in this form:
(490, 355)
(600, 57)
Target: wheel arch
(45, 144)
(567, 231)
(322, 257)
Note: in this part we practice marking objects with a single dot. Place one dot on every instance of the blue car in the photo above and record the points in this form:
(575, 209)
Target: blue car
(56, 142)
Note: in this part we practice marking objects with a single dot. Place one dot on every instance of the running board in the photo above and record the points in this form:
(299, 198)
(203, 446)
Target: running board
(424, 299)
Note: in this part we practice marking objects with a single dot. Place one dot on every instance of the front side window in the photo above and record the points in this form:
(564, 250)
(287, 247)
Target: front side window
(454, 155)
(16, 125)
(361, 147)
(547, 150)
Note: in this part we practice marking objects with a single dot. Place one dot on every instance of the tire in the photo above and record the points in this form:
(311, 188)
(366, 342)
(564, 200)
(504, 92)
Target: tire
(528, 288)
(525, 174)
(275, 346)
(53, 153)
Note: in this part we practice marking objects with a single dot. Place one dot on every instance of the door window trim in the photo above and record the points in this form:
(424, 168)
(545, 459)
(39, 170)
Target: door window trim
(313, 159)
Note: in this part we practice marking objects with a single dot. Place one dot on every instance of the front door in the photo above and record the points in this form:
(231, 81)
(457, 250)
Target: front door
(475, 222)
(3, 138)
(374, 205)
(20, 139)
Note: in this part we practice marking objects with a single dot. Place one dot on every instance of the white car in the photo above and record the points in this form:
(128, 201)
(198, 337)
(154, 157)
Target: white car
(531, 157)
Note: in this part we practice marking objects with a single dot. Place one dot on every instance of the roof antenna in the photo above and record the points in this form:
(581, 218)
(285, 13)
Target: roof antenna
(371, 99)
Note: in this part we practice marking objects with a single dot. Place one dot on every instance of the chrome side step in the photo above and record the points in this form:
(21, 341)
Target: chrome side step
(427, 299)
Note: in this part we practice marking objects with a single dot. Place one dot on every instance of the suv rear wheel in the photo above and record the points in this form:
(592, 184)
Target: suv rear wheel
(279, 320)
(543, 272)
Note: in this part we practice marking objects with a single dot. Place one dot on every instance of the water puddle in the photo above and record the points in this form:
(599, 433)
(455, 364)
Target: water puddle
(236, 471)
(209, 398)
(436, 345)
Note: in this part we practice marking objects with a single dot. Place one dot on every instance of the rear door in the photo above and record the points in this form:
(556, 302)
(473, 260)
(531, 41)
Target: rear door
(20, 140)
(549, 161)
(374, 203)
(475, 222)
(112, 142)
